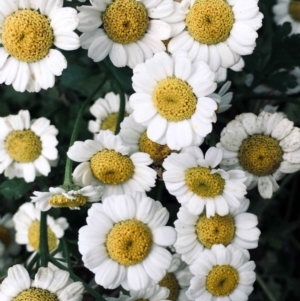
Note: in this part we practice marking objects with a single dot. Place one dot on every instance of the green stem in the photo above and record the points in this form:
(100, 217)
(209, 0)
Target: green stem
(69, 162)
(265, 288)
(32, 262)
(66, 253)
(120, 92)
(43, 247)
(97, 296)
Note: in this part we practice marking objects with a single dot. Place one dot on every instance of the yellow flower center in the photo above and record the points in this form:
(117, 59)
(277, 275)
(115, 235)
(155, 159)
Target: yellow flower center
(60, 200)
(294, 9)
(200, 181)
(174, 99)
(36, 294)
(170, 282)
(34, 237)
(129, 242)
(210, 21)
(125, 21)
(23, 146)
(110, 167)
(110, 122)
(27, 35)
(5, 237)
(260, 155)
(156, 151)
(215, 230)
(222, 280)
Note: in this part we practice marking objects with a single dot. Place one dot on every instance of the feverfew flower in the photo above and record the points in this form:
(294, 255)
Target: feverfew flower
(27, 225)
(216, 31)
(129, 31)
(177, 279)
(29, 30)
(106, 161)
(288, 11)
(59, 197)
(195, 232)
(27, 147)
(172, 100)
(135, 135)
(198, 185)
(222, 273)
(266, 147)
(222, 98)
(48, 284)
(124, 241)
(106, 112)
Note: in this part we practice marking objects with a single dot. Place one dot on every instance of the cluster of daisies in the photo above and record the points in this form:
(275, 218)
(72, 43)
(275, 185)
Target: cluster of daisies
(178, 52)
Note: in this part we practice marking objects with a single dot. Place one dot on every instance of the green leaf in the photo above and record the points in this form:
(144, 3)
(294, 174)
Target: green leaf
(14, 189)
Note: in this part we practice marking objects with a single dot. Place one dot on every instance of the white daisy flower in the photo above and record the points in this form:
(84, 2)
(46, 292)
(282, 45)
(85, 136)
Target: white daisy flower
(106, 112)
(177, 279)
(215, 31)
(135, 135)
(27, 147)
(222, 273)
(29, 30)
(27, 225)
(288, 11)
(222, 98)
(153, 293)
(48, 284)
(195, 232)
(222, 72)
(106, 161)
(59, 197)
(171, 99)
(197, 184)
(8, 245)
(124, 241)
(129, 31)
(266, 147)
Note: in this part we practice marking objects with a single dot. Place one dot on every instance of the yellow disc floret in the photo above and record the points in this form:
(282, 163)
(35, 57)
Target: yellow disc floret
(34, 237)
(174, 99)
(170, 282)
(36, 294)
(125, 21)
(111, 167)
(200, 181)
(110, 122)
(23, 146)
(215, 230)
(60, 200)
(210, 21)
(27, 35)
(5, 236)
(260, 155)
(129, 242)
(222, 280)
(156, 151)
(294, 10)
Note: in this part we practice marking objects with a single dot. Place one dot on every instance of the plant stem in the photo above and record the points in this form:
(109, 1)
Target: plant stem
(66, 253)
(97, 296)
(265, 288)
(69, 162)
(43, 247)
(32, 262)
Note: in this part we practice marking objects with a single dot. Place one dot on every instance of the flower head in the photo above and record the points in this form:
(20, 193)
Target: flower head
(124, 241)
(48, 285)
(27, 225)
(197, 184)
(265, 146)
(172, 99)
(29, 30)
(28, 148)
